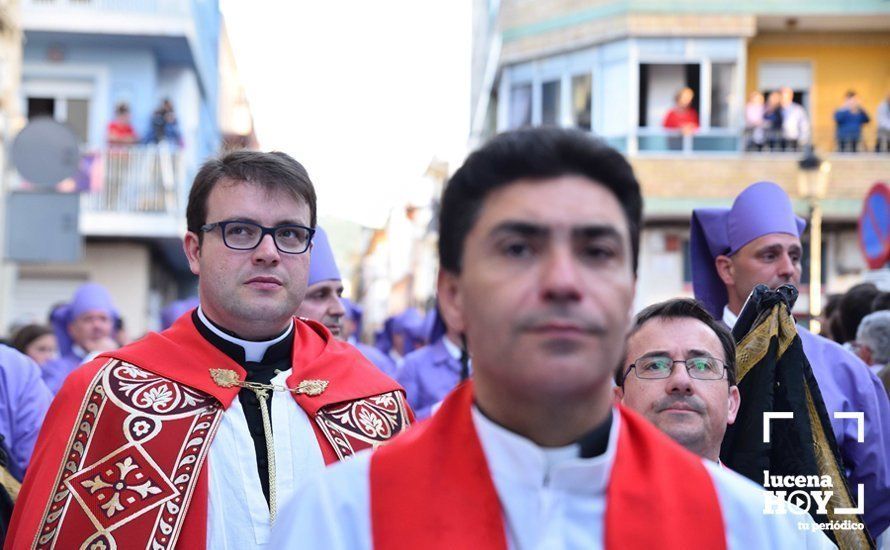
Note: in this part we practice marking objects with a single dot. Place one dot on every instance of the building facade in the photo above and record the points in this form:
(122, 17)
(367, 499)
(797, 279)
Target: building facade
(614, 68)
(82, 60)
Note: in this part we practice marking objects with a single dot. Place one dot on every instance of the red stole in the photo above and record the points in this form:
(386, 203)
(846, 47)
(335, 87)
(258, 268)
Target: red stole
(120, 457)
(431, 489)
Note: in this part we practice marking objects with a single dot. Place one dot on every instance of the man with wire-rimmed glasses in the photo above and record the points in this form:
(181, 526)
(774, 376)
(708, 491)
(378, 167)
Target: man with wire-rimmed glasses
(192, 438)
(680, 374)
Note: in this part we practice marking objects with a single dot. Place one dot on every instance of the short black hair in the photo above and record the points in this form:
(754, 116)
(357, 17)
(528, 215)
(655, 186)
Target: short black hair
(855, 304)
(683, 308)
(273, 171)
(532, 153)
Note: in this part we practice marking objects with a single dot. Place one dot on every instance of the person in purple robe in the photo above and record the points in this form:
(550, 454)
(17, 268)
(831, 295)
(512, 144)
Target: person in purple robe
(24, 399)
(322, 301)
(84, 326)
(758, 241)
(429, 373)
(175, 310)
(401, 334)
(352, 320)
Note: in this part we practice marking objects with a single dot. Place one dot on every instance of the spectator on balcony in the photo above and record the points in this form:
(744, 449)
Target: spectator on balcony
(795, 122)
(37, 342)
(772, 120)
(120, 130)
(682, 116)
(164, 125)
(850, 118)
(883, 141)
(754, 122)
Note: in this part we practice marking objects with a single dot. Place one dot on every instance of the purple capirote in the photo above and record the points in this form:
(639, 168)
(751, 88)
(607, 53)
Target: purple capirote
(322, 264)
(24, 399)
(846, 383)
(761, 209)
(356, 313)
(88, 297)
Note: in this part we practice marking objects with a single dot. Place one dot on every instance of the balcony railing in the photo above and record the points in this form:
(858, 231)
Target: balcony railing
(138, 179)
(153, 7)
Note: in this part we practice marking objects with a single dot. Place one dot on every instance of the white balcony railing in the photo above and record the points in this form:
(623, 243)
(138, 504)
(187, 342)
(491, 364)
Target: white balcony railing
(153, 7)
(138, 179)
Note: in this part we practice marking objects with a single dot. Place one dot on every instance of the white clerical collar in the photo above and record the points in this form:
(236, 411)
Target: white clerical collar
(515, 458)
(729, 317)
(451, 348)
(253, 351)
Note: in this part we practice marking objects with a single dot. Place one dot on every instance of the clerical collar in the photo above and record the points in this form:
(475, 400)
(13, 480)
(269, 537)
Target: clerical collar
(515, 460)
(592, 444)
(239, 349)
(729, 317)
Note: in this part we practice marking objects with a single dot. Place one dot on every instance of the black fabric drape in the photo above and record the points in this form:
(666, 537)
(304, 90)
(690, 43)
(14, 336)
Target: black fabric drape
(775, 376)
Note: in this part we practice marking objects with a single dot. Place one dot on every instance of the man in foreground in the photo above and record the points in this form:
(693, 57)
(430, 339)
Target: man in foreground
(680, 375)
(190, 438)
(539, 237)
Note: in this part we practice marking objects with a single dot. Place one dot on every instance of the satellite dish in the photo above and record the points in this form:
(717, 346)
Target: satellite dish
(45, 152)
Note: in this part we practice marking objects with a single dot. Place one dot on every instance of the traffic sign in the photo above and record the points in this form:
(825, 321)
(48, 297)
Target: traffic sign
(874, 226)
(45, 152)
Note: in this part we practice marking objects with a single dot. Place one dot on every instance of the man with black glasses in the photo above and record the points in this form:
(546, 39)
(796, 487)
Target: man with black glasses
(680, 374)
(190, 438)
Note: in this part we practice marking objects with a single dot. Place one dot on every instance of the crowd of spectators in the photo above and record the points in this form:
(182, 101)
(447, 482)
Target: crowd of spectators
(859, 319)
(163, 127)
(776, 122)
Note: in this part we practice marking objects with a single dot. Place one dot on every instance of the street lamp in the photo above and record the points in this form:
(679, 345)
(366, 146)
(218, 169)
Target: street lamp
(812, 184)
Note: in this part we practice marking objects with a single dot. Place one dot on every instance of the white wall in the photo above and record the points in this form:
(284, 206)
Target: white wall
(123, 268)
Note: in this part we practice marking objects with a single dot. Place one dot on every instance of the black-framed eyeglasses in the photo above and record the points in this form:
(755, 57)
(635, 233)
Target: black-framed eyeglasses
(658, 367)
(240, 235)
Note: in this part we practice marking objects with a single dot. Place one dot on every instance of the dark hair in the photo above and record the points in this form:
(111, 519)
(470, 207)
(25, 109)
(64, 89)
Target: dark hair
(533, 153)
(685, 308)
(881, 301)
(24, 336)
(855, 304)
(273, 171)
(850, 93)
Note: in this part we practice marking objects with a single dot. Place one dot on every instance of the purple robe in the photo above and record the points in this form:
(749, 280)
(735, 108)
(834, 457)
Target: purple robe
(845, 382)
(380, 360)
(428, 375)
(175, 310)
(55, 371)
(24, 400)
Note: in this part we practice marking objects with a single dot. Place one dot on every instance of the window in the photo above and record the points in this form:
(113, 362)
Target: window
(520, 106)
(71, 111)
(581, 99)
(722, 94)
(550, 103)
(41, 106)
(659, 86)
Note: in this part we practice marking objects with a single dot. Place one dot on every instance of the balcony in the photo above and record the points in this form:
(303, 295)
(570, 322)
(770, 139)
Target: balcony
(135, 17)
(136, 191)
